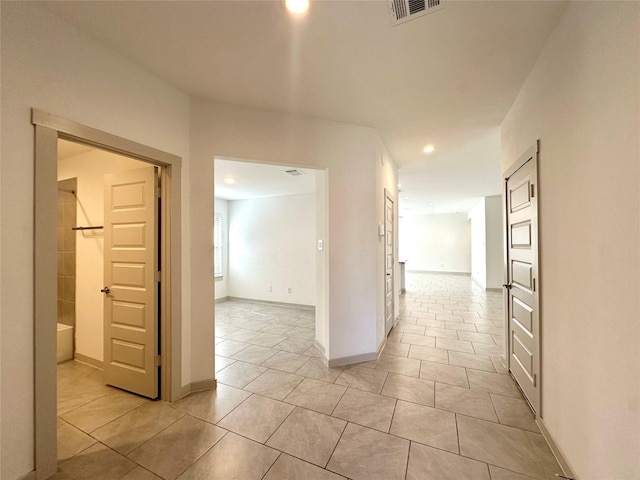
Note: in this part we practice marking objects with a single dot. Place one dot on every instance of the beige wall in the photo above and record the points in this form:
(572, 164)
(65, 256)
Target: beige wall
(70, 75)
(582, 101)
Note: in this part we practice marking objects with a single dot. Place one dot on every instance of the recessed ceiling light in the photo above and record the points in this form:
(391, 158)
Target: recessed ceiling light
(229, 180)
(429, 149)
(297, 6)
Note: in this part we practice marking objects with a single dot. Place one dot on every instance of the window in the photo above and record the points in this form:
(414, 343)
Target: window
(217, 245)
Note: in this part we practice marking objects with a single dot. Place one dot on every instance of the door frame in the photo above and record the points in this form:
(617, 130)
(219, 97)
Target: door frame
(531, 155)
(48, 128)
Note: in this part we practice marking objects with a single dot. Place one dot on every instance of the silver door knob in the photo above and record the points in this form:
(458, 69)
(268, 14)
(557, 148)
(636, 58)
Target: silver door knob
(106, 290)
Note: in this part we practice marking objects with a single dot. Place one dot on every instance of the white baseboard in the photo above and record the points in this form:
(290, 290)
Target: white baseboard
(466, 274)
(194, 387)
(269, 302)
(555, 449)
(363, 357)
(88, 360)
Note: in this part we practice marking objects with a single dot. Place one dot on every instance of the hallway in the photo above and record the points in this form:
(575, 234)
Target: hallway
(437, 404)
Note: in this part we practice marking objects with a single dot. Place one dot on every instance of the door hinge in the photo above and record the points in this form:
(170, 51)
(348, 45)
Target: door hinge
(157, 361)
(534, 285)
(157, 276)
(157, 191)
(535, 378)
(533, 190)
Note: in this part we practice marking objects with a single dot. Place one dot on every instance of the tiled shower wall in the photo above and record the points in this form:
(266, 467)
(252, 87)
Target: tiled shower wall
(67, 251)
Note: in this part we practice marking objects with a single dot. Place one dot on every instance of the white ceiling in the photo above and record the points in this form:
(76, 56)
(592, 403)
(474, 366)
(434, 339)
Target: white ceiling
(68, 149)
(447, 78)
(255, 180)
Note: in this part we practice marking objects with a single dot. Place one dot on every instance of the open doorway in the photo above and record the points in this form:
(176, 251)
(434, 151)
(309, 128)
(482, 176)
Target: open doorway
(48, 131)
(269, 255)
(106, 259)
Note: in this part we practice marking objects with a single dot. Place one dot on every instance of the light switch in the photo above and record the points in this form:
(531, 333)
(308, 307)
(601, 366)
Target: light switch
(320, 245)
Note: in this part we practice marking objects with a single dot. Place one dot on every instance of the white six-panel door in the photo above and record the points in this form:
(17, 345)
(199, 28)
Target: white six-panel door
(131, 293)
(523, 284)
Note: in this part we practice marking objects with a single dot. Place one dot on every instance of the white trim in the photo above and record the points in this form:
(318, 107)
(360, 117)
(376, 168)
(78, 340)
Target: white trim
(269, 302)
(466, 274)
(363, 357)
(555, 449)
(88, 360)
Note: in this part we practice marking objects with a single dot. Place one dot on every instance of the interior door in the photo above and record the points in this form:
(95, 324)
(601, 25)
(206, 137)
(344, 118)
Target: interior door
(389, 248)
(130, 272)
(522, 277)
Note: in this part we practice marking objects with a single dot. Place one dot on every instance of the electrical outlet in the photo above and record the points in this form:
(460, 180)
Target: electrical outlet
(289, 289)
(269, 288)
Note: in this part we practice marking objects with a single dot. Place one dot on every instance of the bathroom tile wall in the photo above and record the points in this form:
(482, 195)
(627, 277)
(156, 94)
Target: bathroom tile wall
(66, 254)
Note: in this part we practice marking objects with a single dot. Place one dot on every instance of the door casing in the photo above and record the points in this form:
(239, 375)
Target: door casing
(48, 128)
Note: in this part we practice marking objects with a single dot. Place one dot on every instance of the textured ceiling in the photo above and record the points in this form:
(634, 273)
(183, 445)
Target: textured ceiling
(447, 78)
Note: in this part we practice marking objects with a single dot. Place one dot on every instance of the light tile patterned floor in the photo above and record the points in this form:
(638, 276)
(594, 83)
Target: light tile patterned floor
(437, 404)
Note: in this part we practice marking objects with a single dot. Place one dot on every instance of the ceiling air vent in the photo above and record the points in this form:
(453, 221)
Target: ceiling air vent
(404, 10)
(294, 172)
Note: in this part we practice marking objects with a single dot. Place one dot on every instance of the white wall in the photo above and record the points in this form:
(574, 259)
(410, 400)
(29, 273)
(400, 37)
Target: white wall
(495, 241)
(70, 75)
(272, 242)
(90, 168)
(222, 283)
(478, 244)
(348, 153)
(582, 100)
(436, 243)
(487, 239)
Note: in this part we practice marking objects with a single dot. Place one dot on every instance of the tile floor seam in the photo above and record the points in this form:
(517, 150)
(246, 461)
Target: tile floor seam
(83, 405)
(230, 412)
(406, 467)
(341, 397)
(346, 424)
(495, 410)
(457, 433)
(203, 454)
(524, 430)
(269, 469)
(280, 425)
